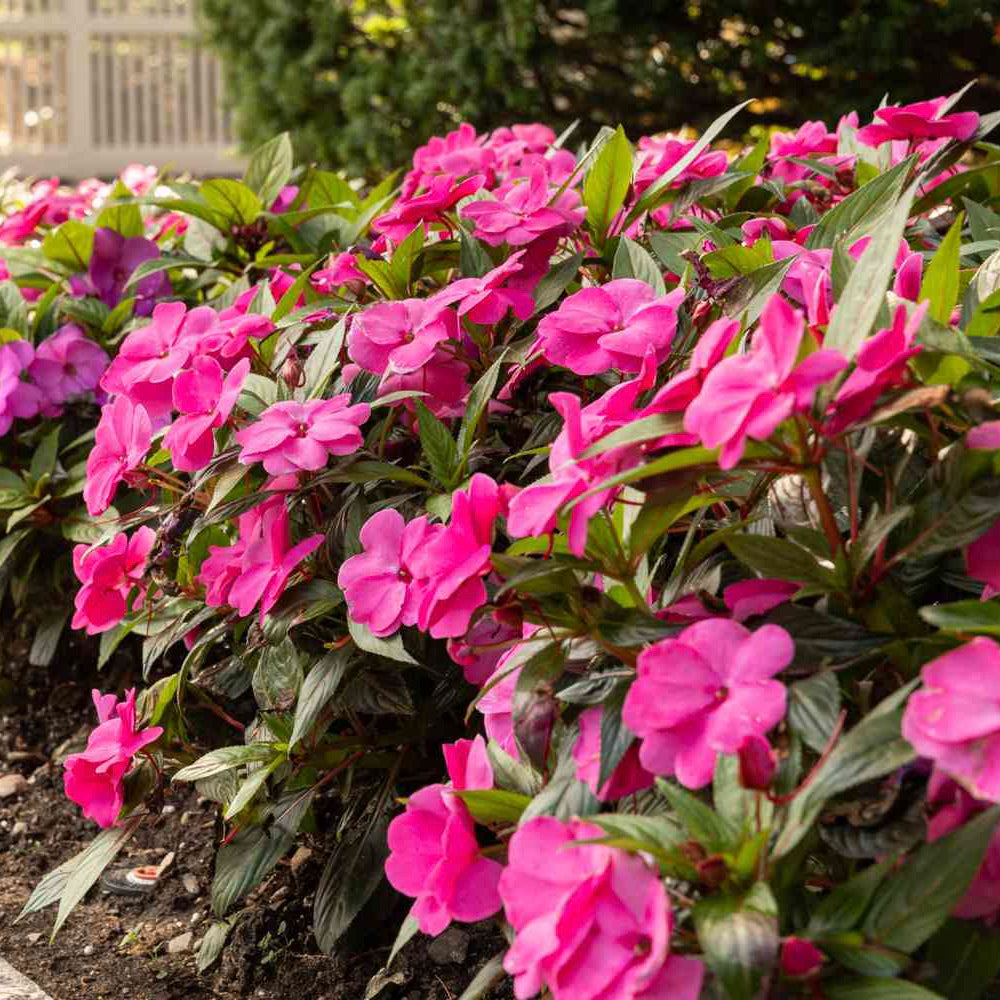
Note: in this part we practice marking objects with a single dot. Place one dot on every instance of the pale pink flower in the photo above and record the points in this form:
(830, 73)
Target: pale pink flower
(628, 777)
(704, 692)
(121, 441)
(749, 395)
(204, 398)
(67, 364)
(610, 326)
(434, 855)
(108, 573)
(590, 922)
(486, 300)
(300, 437)
(94, 779)
(954, 719)
(400, 337)
(922, 120)
(378, 582)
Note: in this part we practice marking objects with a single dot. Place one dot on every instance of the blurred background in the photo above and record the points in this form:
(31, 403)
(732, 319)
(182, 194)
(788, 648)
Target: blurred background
(86, 85)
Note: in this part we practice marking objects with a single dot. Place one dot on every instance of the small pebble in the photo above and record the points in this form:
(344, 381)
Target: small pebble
(168, 810)
(11, 785)
(179, 944)
(89, 950)
(20, 829)
(190, 884)
(449, 948)
(196, 918)
(35, 937)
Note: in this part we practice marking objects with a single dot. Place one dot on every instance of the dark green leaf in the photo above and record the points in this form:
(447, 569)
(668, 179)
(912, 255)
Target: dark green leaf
(813, 708)
(438, 446)
(844, 907)
(779, 558)
(877, 989)
(319, 686)
(269, 168)
(632, 261)
(978, 617)
(966, 955)
(701, 821)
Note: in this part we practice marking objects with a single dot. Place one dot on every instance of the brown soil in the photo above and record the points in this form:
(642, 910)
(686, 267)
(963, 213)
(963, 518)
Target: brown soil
(115, 946)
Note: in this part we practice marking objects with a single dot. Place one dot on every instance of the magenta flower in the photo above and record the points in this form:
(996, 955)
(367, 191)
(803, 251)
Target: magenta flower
(743, 600)
(479, 651)
(122, 439)
(982, 560)
(18, 398)
(590, 922)
(658, 154)
(443, 378)
(810, 138)
(486, 300)
(610, 326)
(441, 193)
(520, 212)
(226, 336)
(923, 120)
(626, 779)
(112, 262)
(342, 269)
(205, 399)
(449, 568)
(954, 719)
(94, 779)
(906, 284)
(705, 692)
(951, 806)
(300, 437)
(378, 583)
(399, 338)
(749, 395)
(434, 855)
(497, 705)
(985, 437)
(67, 364)
(458, 153)
(800, 958)
(108, 573)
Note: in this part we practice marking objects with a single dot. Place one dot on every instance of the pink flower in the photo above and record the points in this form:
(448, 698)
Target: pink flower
(444, 380)
(628, 777)
(398, 338)
(954, 719)
(657, 154)
(749, 395)
(479, 651)
(497, 704)
(342, 269)
(108, 573)
(449, 567)
(486, 300)
(610, 326)
(520, 212)
(880, 365)
(951, 806)
(122, 439)
(94, 779)
(811, 138)
(535, 510)
(705, 692)
(299, 437)
(458, 153)
(442, 193)
(985, 436)
(67, 364)
(591, 922)
(18, 399)
(434, 855)
(205, 399)
(800, 958)
(922, 120)
(378, 583)
(906, 284)
(743, 599)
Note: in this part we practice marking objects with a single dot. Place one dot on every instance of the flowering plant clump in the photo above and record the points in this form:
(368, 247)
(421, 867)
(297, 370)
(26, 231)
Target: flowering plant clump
(655, 490)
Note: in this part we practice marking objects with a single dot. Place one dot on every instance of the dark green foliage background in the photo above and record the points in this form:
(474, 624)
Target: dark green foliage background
(361, 83)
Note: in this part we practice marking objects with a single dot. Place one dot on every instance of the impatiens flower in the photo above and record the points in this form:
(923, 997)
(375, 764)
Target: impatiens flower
(342, 269)
(627, 778)
(94, 779)
(398, 338)
(982, 561)
(522, 210)
(590, 922)
(450, 566)
(428, 206)
(112, 262)
(951, 806)
(205, 399)
(749, 395)
(458, 153)
(658, 154)
(108, 573)
(954, 719)
(922, 120)
(67, 364)
(880, 364)
(18, 398)
(434, 855)
(378, 582)
(486, 300)
(443, 378)
(121, 441)
(800, 958)
(705, 692)
(743, 600)
(810, 138)
(758, 763)
(985, 436)
(610, 326)
(479, 651)
(300, 437)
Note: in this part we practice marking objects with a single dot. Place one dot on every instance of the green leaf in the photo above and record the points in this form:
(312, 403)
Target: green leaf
(71, 245)
(392, 648)
(633, 261)
(323, 360)
(158, 264)
(779, 558)
(670, 246)
(319, 686)
(294, 292)
(438, 446)
(249, 788)
(616, 737)
(874, 747)
(232, 201)
(46, 641)
(11, 542)
(977, 617)
(940, 282)
(43, 461)
(813, 708)
(877, 989)
(351, 876)
(865, 290)
(966, 955)
(556, 281)
(701, 821)
(843, 908)
(485, 979)
(123, 217)
(493, 805)
(607, 184)
(657, 835)
(475, 407)
(269, 168)
(212, 944)
(738, 806)
(401, 265)
(225, 759)
(278, 676)
(564, 795)
(916, 901)
(473, 260)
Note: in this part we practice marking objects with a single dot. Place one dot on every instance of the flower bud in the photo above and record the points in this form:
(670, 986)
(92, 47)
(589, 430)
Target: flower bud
(800, 958)
(758, 763)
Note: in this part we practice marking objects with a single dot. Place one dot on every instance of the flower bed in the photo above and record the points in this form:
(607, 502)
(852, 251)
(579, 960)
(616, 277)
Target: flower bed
(652, 495)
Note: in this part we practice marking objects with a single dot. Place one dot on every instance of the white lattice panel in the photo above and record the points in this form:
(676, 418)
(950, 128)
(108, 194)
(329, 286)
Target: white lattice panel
(87, 86)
